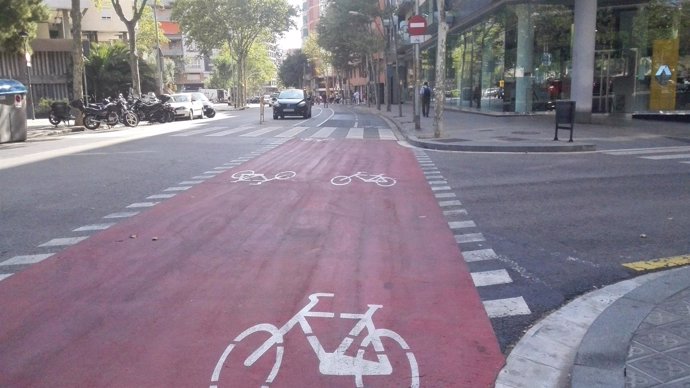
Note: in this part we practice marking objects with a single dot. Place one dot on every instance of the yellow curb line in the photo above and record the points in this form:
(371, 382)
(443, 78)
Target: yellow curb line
(666, 262)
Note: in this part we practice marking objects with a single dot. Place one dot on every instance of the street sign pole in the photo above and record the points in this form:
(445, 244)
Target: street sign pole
(416, 27)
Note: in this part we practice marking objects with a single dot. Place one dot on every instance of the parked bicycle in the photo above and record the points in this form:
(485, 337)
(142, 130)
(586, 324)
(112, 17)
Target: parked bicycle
(336, 363)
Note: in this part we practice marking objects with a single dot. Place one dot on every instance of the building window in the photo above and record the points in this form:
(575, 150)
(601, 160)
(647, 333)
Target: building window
(91, 36)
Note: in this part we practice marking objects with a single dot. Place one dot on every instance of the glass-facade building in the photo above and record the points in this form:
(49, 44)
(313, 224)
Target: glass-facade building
(517, 56)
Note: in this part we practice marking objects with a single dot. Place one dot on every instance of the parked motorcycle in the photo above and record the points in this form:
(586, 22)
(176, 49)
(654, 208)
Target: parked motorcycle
(209, 111)
(157, 111)
(60, 111)
(108, 113)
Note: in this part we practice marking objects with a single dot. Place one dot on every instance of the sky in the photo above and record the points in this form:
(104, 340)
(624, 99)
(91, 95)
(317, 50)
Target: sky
(292, 38)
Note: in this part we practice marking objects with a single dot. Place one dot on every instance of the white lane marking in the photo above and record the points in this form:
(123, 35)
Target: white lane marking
(88, 228)
(191, 182)
(430, 171)
(445, 195)
(260, 132)
(198, 131)
(161, 196)
(438, 182)
(327, 118)
(386, 134)
(324, 132)
(469, 237)
(666, 157)
(506, 307)
(230, 131)
(457, 212)
(4, 276)
(26, 259)
(178, 188)
(440, 188)
(292, 132)
(355, 133)
(57, 242)
(461, 224)
(121, 215)
(479, 255)
(434, 177)
(142, 204)
(642, 151)
(491, 278)
(202, 177)
(212, 172)
(450, 203)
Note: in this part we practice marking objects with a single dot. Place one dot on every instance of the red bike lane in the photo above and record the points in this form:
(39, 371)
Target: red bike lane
(354, 284)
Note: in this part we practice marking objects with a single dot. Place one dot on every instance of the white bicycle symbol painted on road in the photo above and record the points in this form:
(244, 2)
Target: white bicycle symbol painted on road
(257, 179)
(336, 363)
(379, 179)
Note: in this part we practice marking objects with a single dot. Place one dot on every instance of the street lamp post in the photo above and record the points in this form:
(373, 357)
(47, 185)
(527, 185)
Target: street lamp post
(159, 54)
(25, 37)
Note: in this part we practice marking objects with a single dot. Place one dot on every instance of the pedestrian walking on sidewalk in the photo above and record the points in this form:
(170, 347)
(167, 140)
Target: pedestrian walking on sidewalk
(425, 92)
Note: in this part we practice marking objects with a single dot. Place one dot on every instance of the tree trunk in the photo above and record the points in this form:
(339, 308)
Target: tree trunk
(134, 59)
(77, 59)
(440, 87)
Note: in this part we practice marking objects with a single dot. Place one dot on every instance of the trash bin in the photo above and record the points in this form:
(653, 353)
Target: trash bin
(565, 117)
(12, 111)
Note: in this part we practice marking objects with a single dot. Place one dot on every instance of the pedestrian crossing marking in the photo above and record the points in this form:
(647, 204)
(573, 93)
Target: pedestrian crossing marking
(355, 133)
(324, 132)
(197, 131)
(26, 259)
(260, 132)
(479, 255)
(386, 134)
(230, 131)
(292, 132)
(491, 278)
(506, 307)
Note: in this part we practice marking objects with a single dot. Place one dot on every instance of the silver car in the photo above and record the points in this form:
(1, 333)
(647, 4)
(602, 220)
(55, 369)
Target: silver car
(187, 105)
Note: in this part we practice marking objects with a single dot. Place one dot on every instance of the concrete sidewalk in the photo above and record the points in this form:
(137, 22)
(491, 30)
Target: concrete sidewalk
(473, 131)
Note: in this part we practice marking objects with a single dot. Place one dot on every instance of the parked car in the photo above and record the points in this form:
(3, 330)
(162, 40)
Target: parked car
(292, 102)
(187, 105)
(267, 99)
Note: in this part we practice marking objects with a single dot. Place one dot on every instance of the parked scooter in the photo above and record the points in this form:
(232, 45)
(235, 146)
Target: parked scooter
(60, 111)
(209, 111)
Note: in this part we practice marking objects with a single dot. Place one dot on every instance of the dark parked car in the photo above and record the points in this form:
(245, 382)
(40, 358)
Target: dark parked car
(292, 102)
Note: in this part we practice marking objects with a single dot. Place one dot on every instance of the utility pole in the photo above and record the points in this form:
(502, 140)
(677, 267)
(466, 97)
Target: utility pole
(417, 124)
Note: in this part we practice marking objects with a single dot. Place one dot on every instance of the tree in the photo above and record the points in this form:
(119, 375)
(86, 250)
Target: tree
(239, 23)
(292, 69)
(77, 58)
(108, 71)
(260, 68)
(137, 11)
(149, 34)
(223, 70)
(18, 16)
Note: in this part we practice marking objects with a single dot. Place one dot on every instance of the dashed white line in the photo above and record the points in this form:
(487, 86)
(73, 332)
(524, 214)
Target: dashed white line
(56, 242)
(142, 204)
(461, 224)
(191, 182)
(87, 228)
(440, 188)
(438, 182)
(479, 255)
(455, 212)
(468, 238)
(491, 278)
(445, 195)
(178, 188)
(449, 203)
(26, 259)
(161, 196)
(121, 215)
(506, 307)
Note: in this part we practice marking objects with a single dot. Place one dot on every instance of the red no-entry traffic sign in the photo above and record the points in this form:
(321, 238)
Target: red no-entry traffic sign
(417, 25)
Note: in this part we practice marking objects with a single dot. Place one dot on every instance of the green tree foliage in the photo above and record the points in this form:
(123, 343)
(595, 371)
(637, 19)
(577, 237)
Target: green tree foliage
(223, 73)
(239, 23)
(260, 68)
(146, 34)
(292, 69)
(346, 32)
(137, 11)
(108, 71)
(17, 16)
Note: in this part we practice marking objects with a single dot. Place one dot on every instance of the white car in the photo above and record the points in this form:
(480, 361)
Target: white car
(187, 105)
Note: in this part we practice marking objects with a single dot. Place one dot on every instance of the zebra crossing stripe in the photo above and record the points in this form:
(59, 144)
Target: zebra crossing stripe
(324, 132)
(197, 131)
(292, 132)
(260, 132)
(490, 278)
(89, 228)
(4, 276)
(355, 133)
(456, 212)
(56, 242)
(479, 255)
(461, 224)
(506, 307)
(230, 131)
(386, 134)
(26, 259)
(468, 238)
